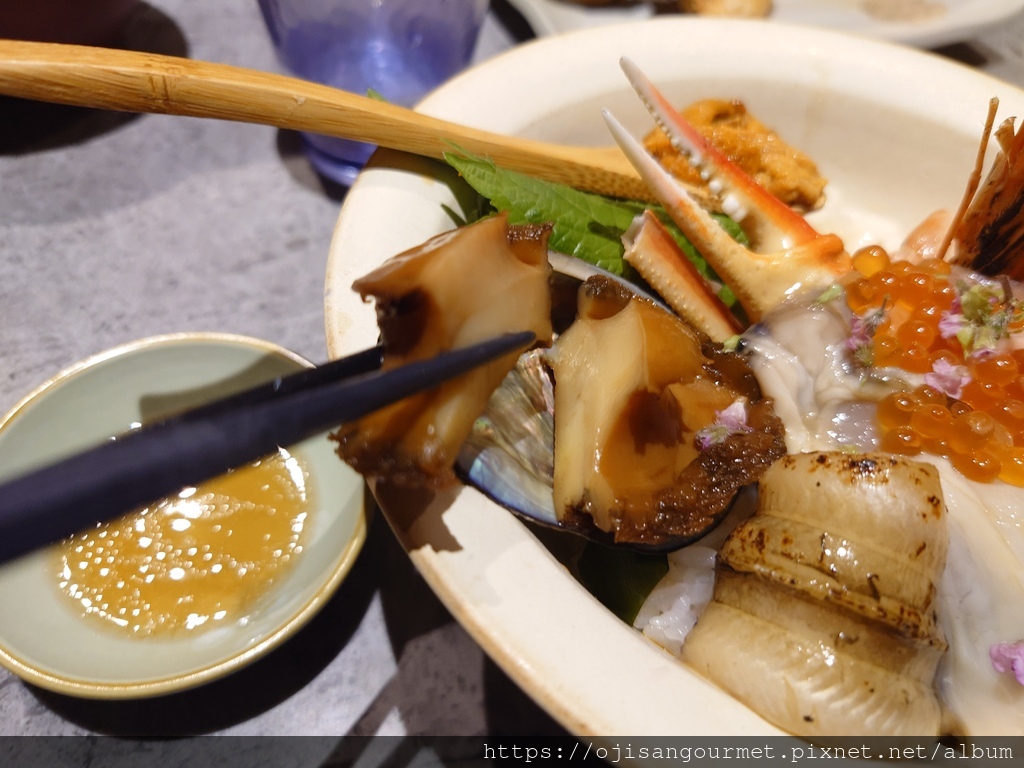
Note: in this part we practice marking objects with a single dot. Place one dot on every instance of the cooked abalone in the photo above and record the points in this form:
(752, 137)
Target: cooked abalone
(655, 428)
(456, 289)
(823, 618)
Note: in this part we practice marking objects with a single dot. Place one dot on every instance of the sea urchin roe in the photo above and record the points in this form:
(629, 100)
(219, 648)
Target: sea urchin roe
(951, 331)
(193, 561)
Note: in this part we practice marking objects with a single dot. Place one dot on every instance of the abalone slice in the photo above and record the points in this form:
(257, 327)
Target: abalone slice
(459, 288)
(642, 450)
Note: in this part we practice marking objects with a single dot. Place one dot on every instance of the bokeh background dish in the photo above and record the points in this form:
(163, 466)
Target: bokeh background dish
(895, 131)
(953, 20)
(43, 639)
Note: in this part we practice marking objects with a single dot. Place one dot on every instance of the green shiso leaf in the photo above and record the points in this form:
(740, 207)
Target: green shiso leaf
(620, 578)
(585, 225)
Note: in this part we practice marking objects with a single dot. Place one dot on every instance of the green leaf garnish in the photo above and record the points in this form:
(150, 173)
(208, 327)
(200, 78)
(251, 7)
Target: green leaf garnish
(989, 312)
(620, 578)
(732, 343)
(833, 292)
(585, 225)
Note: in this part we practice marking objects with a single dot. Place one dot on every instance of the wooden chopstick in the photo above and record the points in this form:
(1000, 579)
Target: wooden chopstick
(101, 483)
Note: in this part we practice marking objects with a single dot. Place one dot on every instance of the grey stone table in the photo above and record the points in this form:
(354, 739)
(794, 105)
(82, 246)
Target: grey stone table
(113, 228)
(117, 227)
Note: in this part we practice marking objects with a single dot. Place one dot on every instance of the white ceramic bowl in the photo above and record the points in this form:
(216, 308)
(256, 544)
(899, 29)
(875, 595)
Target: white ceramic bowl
(894, 130)
(43, 639)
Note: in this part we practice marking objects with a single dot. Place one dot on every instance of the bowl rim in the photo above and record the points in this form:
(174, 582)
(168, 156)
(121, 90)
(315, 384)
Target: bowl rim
(83, 688)
(136, 345)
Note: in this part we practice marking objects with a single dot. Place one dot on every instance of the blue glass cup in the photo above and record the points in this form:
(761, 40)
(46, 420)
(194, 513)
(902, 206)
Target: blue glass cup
(399, 49)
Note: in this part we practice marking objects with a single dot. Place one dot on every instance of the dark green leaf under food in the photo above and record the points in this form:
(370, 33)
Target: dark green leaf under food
(585, 225)
(620, 578)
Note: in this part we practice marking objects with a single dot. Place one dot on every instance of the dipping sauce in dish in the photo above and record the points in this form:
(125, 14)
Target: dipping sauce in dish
(193, 561)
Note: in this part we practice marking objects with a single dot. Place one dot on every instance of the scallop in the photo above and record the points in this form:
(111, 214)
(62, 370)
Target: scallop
(823, 618)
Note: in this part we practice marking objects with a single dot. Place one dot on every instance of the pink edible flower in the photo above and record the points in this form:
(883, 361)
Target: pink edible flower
(734, 417)
(731, 421)
(860, 333)
(948, 378)
(859, 341)
(1008, 657)
(950, 324)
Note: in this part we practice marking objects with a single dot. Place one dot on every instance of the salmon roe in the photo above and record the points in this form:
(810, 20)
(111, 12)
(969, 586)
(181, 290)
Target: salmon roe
(975, 419)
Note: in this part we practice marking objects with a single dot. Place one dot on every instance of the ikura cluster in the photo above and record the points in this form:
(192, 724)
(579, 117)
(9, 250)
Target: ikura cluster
(954, 334)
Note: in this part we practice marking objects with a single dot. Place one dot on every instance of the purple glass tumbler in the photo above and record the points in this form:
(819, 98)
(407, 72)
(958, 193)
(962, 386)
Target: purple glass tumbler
(399, 49)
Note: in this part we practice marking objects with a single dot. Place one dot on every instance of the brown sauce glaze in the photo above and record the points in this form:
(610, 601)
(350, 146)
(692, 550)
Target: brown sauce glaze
(193, 561)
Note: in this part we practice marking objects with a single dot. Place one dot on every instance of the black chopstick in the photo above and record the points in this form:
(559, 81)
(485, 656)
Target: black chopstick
(366, 361)
(99, 484)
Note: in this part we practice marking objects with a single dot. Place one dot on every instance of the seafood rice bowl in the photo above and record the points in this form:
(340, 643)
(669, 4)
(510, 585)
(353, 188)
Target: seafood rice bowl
(824, 432)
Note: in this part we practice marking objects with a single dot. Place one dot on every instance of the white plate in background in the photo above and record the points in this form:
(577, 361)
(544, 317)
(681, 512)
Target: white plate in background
(958, 20)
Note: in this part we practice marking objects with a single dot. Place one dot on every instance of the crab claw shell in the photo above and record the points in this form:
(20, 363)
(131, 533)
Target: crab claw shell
(797, 255)
(653, 252)
(769, 223)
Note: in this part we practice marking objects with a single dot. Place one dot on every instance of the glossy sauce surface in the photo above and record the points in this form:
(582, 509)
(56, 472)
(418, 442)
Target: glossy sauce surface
(193, 561)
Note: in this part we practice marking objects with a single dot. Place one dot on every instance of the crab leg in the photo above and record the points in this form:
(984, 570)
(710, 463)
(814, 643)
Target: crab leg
(789, 254)
(652, 251)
